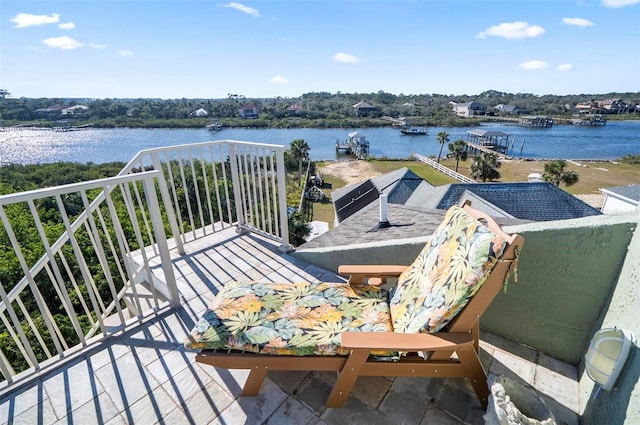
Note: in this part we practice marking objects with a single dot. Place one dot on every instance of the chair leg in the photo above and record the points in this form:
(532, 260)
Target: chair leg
(346, 378)
(254, 381)
(476, 374)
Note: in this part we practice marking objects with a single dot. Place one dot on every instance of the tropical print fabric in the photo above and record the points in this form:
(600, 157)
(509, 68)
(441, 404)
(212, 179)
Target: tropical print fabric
(448, 272)
(290, 318)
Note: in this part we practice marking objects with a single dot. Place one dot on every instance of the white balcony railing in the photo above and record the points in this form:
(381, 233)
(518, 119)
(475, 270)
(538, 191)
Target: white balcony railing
(85, 251)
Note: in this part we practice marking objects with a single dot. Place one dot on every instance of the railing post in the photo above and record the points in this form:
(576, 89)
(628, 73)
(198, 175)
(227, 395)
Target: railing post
(237, 193)
(161, 238)
(281, 174)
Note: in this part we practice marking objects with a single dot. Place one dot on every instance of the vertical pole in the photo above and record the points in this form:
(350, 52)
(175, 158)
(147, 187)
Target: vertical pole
(235, 180)
(281, 174)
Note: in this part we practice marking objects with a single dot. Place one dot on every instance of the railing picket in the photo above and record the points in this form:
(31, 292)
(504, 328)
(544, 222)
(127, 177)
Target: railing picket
(205, 182)
(196, 189)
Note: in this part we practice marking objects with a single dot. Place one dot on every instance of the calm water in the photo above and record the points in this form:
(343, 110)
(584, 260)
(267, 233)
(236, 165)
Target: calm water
(612, 141)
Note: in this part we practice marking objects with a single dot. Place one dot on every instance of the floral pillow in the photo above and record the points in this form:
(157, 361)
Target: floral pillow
(448, 272)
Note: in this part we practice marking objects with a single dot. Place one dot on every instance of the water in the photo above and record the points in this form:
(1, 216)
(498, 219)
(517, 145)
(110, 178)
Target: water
(613, 141)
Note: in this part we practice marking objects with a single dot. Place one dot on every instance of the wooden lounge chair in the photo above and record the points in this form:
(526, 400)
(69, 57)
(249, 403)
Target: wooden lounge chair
(426, 326)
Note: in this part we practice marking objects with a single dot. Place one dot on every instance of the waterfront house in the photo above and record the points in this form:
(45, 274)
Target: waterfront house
(468, 109)
(50, 111)
(249, 111)
(75, 110)
(115, 355)
(511, 109)
(295, 109)
(201, 112)
(363, 109)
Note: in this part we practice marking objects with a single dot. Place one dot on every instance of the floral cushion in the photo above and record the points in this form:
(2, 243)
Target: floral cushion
(290, 318)
(448, 272)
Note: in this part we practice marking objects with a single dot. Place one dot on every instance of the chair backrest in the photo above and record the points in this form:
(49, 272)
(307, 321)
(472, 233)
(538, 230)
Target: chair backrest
(467, 251)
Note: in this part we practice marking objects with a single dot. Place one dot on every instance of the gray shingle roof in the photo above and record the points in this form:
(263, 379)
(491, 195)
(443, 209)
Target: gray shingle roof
(401, 186)
(536, 201)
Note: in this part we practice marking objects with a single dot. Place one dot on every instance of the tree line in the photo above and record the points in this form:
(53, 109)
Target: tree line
(315, 109)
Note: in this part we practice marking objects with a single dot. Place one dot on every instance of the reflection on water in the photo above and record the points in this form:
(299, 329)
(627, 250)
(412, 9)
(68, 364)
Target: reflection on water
(612, 141)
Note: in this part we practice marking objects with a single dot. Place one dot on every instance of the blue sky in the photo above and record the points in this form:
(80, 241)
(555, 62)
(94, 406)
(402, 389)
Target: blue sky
(208, 49)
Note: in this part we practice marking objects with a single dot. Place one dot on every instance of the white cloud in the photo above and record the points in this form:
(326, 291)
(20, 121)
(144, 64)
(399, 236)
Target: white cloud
(346, 58)
(24, 20)
(278, 79)
(565, 67)
(64, 43)
(512, 30)
(242, 8)
(534, 65)
(619, 3)
(577, 22)
(97, 46)
(67, 26)
(125, 52)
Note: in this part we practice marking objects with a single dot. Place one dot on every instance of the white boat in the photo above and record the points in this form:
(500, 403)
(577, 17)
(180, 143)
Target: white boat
(214, 127)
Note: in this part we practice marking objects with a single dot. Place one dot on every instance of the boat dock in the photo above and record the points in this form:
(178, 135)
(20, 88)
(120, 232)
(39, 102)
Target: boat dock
(590, 121)
(536, 122)
(495, 142)
(357, 145)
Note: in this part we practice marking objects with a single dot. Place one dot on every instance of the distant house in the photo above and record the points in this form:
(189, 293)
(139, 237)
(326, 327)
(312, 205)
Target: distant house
(75, 110)
(295, 109)
(468, 109)
(50, 111)
(511, 109)
(249, 111)
(199, 113)
(621, 199)
(362, 109)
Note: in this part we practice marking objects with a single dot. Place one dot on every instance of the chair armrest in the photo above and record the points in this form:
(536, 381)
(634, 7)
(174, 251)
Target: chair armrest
(358, 272)
(391, 341)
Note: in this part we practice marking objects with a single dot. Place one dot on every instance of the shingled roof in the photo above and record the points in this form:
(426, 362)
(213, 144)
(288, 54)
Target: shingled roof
(402, 186)
(536, 201)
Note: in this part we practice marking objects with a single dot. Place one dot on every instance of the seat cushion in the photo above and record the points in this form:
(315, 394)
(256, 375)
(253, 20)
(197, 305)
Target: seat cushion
(449, 270)
(290, 318)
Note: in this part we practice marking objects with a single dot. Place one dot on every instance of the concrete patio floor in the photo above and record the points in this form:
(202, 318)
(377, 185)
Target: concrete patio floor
(145, 376)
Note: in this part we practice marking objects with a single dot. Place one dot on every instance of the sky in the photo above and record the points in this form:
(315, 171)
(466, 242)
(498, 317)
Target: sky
(263, 48)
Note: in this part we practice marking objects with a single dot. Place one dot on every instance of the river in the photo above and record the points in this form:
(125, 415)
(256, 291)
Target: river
(610, 142)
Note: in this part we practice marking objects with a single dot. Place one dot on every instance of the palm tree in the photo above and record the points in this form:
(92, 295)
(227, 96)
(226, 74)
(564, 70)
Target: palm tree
(555, 172)
(442, 137)
(458, 151)
(299, 229)
(300, 151)
(485, 167)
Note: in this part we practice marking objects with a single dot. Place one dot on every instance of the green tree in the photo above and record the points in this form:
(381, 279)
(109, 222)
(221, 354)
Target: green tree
(299, 229)
(555, 172)
(442, 137)
(458, 151)
(299, 151)
(485, 167)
